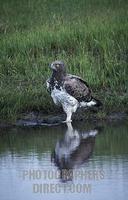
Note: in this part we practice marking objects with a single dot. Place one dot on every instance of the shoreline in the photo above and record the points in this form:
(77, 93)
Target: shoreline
(33, 119)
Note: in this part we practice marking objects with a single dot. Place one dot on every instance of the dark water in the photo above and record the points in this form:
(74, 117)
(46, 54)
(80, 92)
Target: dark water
(73, 162)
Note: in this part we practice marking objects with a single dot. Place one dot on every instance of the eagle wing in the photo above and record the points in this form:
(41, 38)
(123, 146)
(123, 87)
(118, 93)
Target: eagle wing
(77, 87)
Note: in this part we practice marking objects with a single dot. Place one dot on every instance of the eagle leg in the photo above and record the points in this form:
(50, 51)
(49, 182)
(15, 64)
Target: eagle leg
(69, 115)
(68, 112)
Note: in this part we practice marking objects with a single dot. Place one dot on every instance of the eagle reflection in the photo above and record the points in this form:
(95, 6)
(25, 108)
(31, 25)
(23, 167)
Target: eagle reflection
(73, 150)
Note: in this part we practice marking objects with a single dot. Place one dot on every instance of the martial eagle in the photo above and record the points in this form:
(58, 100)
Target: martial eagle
(69, 91)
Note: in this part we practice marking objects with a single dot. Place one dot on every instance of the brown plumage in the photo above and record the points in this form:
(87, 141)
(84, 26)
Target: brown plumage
(77, 88)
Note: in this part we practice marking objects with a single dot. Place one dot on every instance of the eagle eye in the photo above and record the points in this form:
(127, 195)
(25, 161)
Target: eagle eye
(57, 65)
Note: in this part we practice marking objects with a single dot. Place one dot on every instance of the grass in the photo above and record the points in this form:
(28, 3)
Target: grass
(89, 35)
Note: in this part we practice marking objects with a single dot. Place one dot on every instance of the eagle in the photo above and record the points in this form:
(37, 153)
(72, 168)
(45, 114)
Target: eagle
(69, 91)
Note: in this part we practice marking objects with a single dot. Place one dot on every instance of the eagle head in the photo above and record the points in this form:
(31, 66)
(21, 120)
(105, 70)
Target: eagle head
(58, 66)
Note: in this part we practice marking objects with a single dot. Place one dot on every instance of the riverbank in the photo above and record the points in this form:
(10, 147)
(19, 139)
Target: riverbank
(89, 36)
(34, 119)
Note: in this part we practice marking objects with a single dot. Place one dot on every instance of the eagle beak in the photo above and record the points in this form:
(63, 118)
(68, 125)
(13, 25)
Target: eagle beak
(52, 66)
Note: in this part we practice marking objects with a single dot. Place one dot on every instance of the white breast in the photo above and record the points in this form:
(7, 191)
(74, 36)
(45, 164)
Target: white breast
(62, 97)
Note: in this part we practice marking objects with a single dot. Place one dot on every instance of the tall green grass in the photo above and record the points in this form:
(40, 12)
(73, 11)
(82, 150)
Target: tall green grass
(91, 36)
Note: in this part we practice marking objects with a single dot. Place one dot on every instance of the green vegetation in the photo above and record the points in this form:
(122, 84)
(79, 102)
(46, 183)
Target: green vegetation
(91, 36)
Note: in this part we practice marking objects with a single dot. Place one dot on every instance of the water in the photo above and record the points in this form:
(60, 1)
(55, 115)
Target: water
(73, 162)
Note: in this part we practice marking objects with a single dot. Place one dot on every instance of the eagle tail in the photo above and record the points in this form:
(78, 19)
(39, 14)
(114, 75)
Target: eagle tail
(93, 102)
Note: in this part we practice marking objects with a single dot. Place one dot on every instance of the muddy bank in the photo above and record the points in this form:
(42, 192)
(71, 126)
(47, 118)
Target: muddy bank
(40, 119)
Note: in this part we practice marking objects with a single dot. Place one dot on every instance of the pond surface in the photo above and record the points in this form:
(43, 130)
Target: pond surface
(71, 161)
